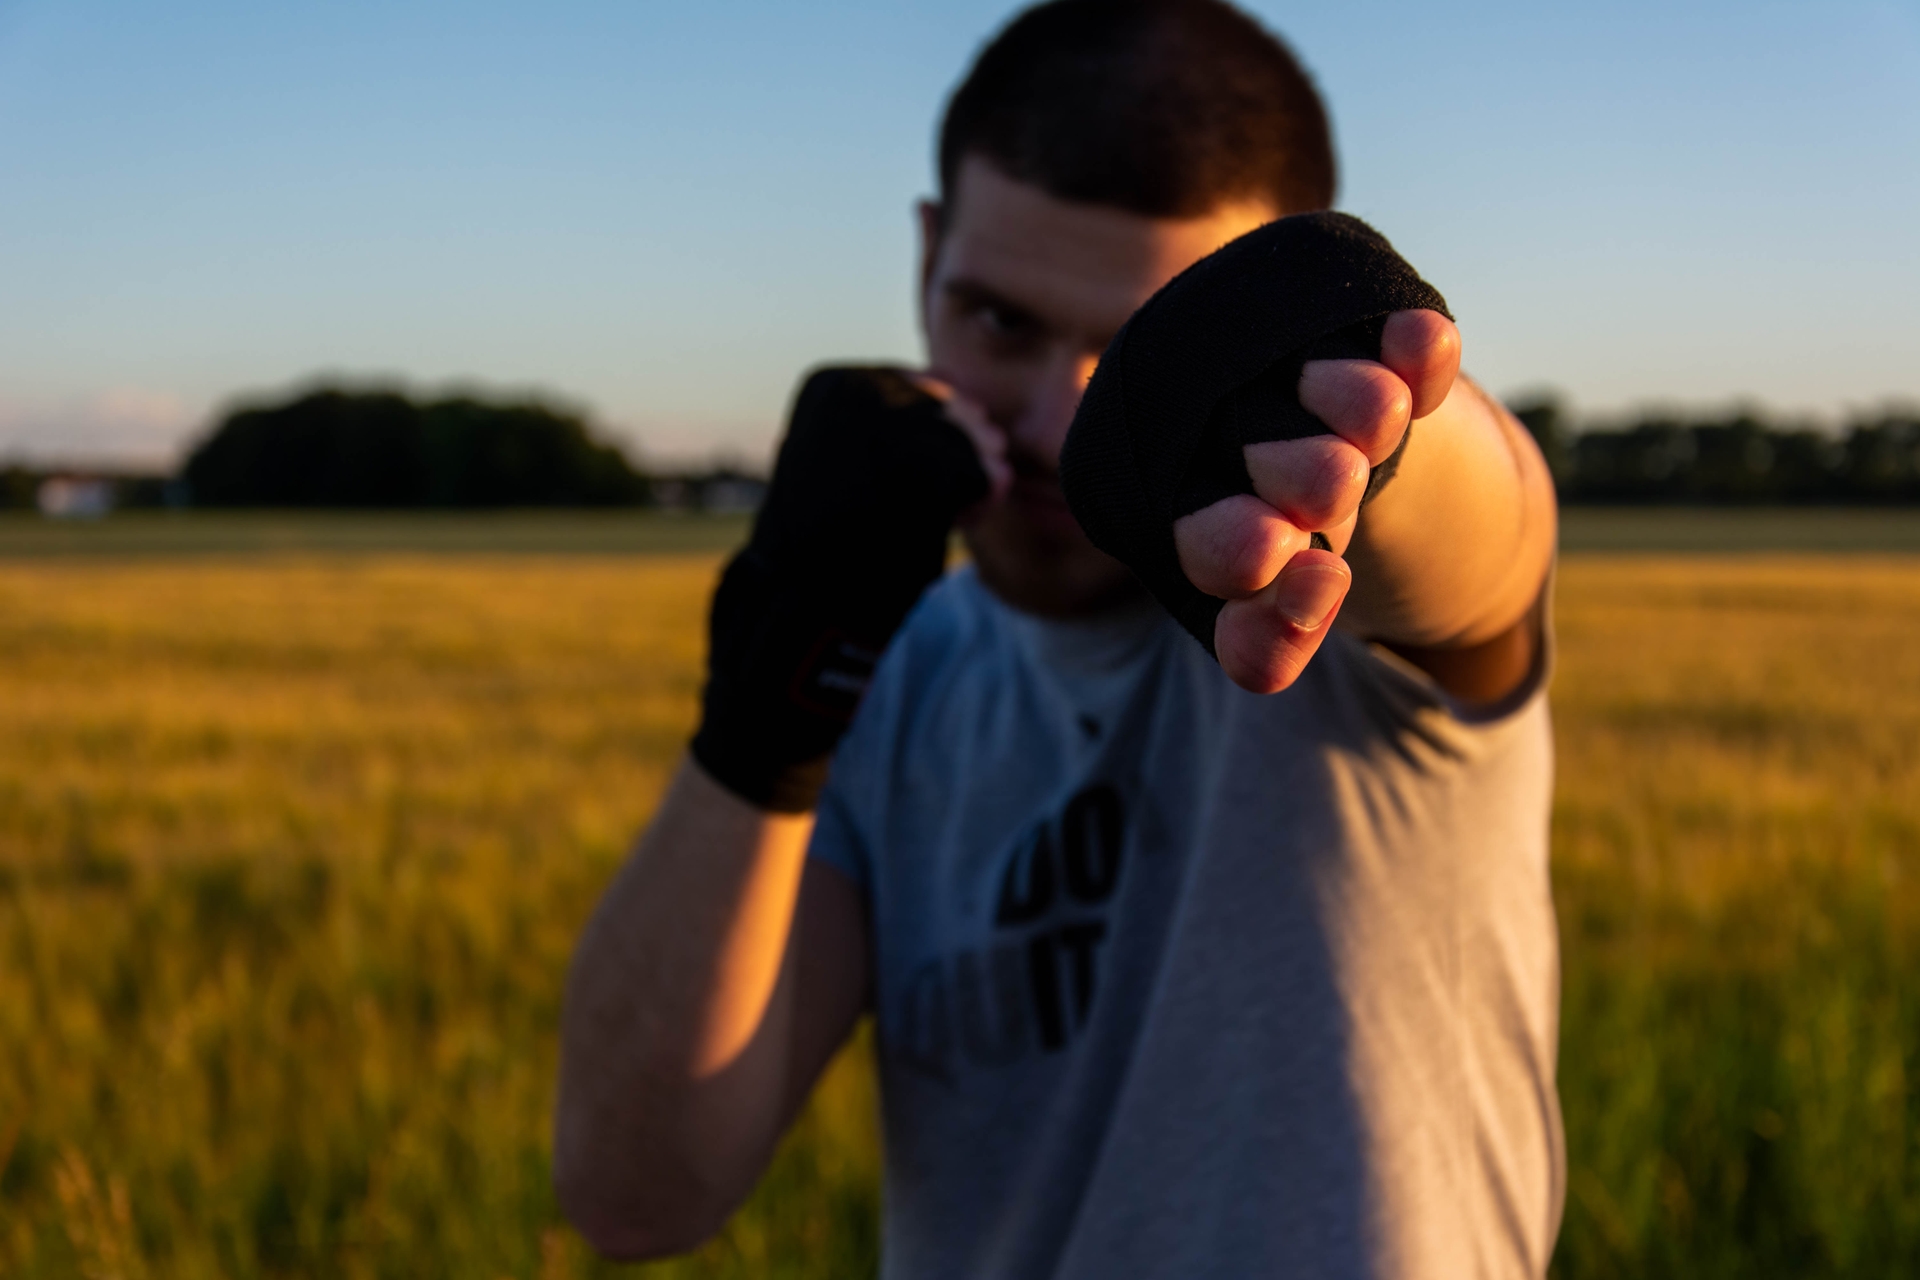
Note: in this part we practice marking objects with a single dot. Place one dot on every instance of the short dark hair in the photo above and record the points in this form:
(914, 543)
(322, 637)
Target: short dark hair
(1165, 108)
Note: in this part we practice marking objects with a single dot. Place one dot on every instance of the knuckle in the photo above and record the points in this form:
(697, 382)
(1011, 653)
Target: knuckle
(1229, 549)
(1311, 481)
(1382, 398)
(1364, 401)
(1342, 479)
(1255, 650)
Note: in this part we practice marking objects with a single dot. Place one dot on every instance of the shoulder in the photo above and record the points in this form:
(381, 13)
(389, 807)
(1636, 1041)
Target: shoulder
(921, 707)
(1370, 699)
(957, 620)
(956, 628)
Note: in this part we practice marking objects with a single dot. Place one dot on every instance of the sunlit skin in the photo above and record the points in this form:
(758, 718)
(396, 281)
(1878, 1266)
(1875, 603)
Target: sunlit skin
(1020, 294)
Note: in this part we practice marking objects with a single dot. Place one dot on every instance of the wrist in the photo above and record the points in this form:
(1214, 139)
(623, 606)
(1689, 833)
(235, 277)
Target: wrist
(766, 782)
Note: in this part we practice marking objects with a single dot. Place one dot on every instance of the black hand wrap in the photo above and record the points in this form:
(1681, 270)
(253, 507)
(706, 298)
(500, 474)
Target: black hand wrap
(1211, 364)
(865, 492)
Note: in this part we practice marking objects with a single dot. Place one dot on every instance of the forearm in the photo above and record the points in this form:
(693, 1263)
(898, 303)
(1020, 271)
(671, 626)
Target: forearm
(1454, 551)
(675, 1038)
(722, 970)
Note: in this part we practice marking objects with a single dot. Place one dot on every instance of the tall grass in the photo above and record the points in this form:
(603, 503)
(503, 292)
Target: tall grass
(1737, 845)
(291, 858)
(292, 853)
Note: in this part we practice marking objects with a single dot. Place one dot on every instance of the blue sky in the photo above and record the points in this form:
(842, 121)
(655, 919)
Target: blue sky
(665, 212)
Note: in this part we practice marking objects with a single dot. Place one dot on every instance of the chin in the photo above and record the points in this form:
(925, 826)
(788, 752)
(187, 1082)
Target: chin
(1044, 565)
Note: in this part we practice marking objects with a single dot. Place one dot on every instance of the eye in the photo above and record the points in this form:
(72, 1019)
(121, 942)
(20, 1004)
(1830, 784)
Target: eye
(996, 323)
(1003, 321)
(1007, 328)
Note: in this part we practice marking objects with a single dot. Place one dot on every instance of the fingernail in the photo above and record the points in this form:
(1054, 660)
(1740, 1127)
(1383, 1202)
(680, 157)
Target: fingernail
(1307, 595)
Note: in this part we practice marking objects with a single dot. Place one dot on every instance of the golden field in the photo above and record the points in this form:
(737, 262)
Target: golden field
(293, 847)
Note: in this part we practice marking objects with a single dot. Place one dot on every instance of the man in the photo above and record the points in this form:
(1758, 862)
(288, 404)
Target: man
(1180, 966)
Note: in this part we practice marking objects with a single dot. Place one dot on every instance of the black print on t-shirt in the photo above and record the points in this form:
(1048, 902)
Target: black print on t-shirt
(1031, 987)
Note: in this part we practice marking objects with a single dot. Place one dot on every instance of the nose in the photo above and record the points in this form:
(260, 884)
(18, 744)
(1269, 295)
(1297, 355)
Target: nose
(1054, 397)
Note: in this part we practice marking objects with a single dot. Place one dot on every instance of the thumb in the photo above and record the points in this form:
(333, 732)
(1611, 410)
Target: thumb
(989, 441)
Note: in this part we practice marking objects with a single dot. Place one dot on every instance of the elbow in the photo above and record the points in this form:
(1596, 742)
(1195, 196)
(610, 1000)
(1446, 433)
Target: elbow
(618, 1239)
(628, 1243)
(633, 1224)
(631, 1200)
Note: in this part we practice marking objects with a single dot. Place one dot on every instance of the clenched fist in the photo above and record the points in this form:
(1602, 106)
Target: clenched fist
(1251, 550)
(1239, 420)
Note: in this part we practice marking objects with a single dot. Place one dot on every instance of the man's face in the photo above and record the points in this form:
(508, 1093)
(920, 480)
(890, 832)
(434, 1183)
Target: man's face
(1021, 293)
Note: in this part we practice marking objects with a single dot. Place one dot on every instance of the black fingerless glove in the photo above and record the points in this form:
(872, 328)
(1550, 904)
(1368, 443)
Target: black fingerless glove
(1211, 364)
(869, 482)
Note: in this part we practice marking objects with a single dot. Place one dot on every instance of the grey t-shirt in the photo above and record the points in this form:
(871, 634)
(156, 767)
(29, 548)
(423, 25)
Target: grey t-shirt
(1174, 980)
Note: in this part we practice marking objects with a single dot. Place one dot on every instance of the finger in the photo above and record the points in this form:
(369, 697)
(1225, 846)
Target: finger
(989, 441)
(1364, 403)
(1423, 348)
(1265, 641)
(1340, 536)
(1236, 546)
(931, 383)
(1314, 483)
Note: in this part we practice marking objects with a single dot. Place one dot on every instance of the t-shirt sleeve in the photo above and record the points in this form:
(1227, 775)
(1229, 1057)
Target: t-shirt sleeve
(1538, 676)
(851, 826)
(1415, 692)
(837, 840)
(853, 802)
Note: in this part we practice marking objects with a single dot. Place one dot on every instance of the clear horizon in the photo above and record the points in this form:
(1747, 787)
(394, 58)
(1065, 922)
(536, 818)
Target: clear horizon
(665, 215)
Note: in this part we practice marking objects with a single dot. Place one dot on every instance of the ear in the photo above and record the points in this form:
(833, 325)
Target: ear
(928, 212)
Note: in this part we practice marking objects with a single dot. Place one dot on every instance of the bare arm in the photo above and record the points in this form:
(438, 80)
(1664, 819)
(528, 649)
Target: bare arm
(1446, 566)
(714, 982)
(1449, 561)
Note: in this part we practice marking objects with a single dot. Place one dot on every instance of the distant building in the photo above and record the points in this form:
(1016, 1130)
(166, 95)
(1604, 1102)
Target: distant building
(724, 491)
(733, 494)
(75, 497)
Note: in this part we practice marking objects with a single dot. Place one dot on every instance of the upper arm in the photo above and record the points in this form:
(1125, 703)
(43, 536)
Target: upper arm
(1484, 673)
(722, 970)
(1453, 564)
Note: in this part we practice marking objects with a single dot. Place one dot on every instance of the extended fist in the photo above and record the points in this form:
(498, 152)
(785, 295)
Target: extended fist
(1239, 412)
(1252, 550)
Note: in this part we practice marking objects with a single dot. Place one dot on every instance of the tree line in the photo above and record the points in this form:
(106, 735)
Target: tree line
(334, 447)
(345, 448)
(1733, 459)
